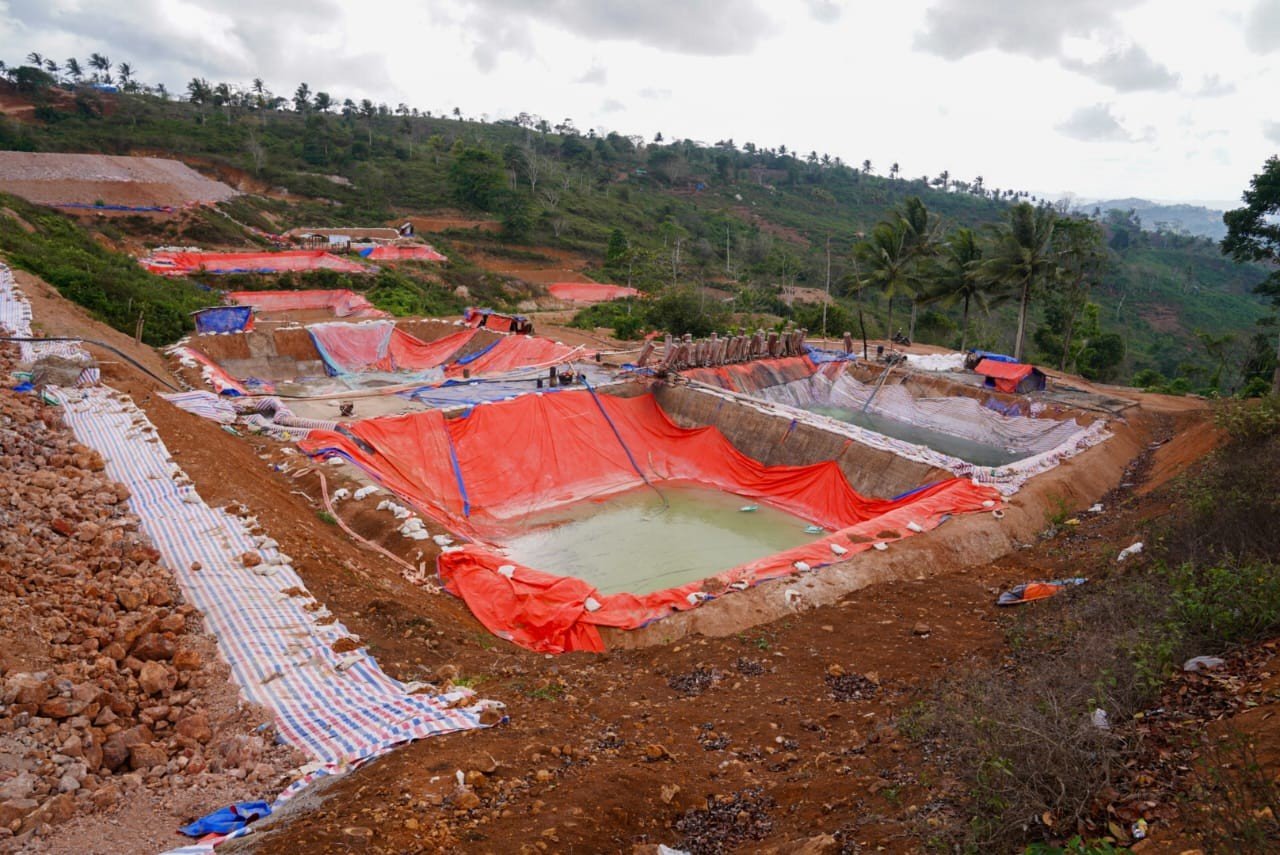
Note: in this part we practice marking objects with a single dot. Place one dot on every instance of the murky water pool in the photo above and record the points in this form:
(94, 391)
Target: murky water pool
(633, 542)
(965, 449)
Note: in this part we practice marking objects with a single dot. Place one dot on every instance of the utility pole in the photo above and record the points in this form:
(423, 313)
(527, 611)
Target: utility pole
(828, 298)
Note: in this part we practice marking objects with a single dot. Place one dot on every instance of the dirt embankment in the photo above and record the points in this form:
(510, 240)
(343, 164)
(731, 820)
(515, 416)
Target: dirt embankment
(90, 179)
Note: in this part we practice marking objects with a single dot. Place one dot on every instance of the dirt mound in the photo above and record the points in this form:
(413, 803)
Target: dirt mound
(89, 179)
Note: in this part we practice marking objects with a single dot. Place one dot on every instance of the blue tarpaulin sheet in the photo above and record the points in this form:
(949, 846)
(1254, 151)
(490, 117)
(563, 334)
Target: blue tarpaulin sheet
(223, 319)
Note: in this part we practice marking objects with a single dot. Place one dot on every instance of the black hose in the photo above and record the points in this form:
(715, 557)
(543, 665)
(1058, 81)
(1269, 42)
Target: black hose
(117, 351)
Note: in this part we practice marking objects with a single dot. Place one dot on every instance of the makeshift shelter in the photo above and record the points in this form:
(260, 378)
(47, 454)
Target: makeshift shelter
(221, 319)
(1011, 377)
(497, 321)
(589, 292)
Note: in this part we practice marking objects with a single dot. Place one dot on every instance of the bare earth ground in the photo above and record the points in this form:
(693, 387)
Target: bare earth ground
(754, 739)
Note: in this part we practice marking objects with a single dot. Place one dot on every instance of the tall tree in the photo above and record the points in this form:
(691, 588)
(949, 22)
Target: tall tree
(102, 66)
(1254, 235)
(1082, 259)
(884, 263)
(956, 278)
(302, 98)
(125, 72)
(73, 69)
(1021, 258)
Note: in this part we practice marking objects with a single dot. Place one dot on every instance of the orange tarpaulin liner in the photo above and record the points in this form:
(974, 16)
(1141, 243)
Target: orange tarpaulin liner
(404, 253)
(342, 302)
(520, 351)
(182, 263)
(381, 346)
(749, 377)
(409, 353)
(590, 292)
(481, 474)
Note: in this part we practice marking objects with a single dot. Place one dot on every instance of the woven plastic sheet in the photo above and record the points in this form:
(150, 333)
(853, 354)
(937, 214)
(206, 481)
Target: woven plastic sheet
(958, 416)
(348, 348)
(185, 263)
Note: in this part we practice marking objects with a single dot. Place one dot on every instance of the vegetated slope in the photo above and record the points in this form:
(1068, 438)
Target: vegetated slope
(1156, 216)
(109, 284)
(742, 217)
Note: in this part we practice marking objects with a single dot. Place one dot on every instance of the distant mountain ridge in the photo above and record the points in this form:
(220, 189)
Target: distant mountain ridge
(1192, 219)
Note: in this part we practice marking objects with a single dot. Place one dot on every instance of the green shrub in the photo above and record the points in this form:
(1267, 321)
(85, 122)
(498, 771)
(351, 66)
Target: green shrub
(1221, 606)
(1250, 422)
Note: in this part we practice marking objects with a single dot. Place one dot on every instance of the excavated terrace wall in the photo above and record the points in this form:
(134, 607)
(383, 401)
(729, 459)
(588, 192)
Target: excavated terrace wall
(776, 441)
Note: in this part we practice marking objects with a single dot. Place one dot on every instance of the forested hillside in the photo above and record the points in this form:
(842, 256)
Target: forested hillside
(745, 218)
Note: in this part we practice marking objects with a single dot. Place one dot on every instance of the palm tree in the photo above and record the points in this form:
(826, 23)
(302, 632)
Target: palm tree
(125, 71)
(894, 170)
(102, 65)
(36, 59)
(51, 66)
(324, 102)
(866, 167)
(885, 260)
(957, 278)
(73, 69)
(1021, 258)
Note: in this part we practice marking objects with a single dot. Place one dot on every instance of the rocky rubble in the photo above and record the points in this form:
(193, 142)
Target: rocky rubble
(109, 689)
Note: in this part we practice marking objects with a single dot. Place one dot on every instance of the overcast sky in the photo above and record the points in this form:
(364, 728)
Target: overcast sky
(1166, 99)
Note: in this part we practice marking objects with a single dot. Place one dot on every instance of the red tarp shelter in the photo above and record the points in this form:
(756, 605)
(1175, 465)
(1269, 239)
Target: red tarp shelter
(589, 292)
(480, 474)
(167, 263)
(342, 302)
(1012, 377)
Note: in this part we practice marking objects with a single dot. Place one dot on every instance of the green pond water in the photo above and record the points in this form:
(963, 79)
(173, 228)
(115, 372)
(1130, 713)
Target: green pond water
(977, 453)
(632, 542)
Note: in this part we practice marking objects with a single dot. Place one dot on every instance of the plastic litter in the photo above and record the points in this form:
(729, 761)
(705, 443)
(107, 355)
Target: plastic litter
(802, 566)
(838, 549)
(1139, 830)
(880, 546)
(814, 529)
(507, 570)
(1129, 550)
(1100, 719)
(227, 819)
(1095, 509)
(1032, 591)
(1203, 663)
(591, 604)
(792, 596)
(442, 539)
(364, 492)
(915, 526)
(746, 509)
(340, 494)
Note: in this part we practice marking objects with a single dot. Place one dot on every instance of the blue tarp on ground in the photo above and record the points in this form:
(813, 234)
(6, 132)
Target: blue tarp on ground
(220, 319)
(995, 357)
(821, 357)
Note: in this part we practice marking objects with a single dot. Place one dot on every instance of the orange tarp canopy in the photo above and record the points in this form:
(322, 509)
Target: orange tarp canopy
(342, 302)
(518, 351)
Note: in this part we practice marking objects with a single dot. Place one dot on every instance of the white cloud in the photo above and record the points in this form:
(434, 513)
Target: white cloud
(1095, 123)
(1129, 69)
(1271, 130)
(596, 75)
(1262, 26)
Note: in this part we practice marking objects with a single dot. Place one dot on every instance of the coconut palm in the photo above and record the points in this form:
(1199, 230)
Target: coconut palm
(73, 69)
(36, 59)
(1021, 258)
(125, 72)
(957, 278)
(884, 262)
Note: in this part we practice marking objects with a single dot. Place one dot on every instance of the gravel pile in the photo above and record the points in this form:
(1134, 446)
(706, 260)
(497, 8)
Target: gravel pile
(109, 689)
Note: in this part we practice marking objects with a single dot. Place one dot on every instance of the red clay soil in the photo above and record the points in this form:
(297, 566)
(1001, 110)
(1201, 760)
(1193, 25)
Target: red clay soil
(780, 733)
(447, 223)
